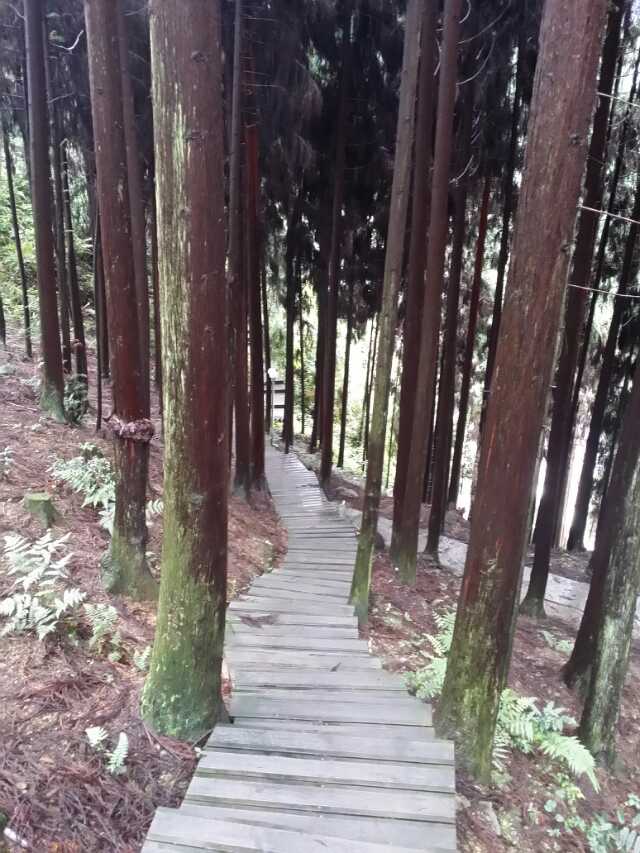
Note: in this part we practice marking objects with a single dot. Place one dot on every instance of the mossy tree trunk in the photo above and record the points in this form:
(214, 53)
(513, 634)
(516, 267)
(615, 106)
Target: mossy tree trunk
(182, 694)
(408, 524)
(421, 204)
(125, 569)
(26, 314)
(620, 541)
(387, 319)
(556, 151)
(52, 389)
(79, 345)
(559, 448)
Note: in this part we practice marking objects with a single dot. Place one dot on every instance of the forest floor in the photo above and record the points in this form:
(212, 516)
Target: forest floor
(532, 805)
(56, 793)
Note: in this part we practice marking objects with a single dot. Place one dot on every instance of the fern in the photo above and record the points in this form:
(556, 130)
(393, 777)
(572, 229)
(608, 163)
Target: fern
(141, 659)
(117, 758)
(96, 736)
(6, 462)
(154, 509)
(39, 599)
(105, 635)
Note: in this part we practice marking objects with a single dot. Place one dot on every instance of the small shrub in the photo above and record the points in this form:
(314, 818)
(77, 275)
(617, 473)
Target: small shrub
(76, 398)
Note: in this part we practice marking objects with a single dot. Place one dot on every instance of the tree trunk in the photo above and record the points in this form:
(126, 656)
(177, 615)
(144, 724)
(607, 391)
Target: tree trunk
(125, 567)
(345, 378)
(369, 390)
(136, 200)
(267, 349)
(242, 480)
(333, 277)
(417, 264)
(303, 402)
(446, 397)
(561, 426)
(8, 162)
(98, 299)
(320, 346)
(79, 344)
(363, 415)
(254, 254)
(467, 364)
(618, 550)
(409, 524)
(581, 510)
(598, 411)
(52, 389)
(155, 281)
(480, 654)
(509, 196)
(387, 320)
(182, 695)
(290, 309)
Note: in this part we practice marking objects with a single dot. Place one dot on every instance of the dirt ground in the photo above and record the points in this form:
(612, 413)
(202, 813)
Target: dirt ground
(55, 791)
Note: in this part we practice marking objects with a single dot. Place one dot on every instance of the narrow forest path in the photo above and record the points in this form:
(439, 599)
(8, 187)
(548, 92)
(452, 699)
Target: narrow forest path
(326, 751)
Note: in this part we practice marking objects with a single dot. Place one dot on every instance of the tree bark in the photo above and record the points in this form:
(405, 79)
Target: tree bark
(446, 397)
(98, 299)
(52, 389)
(509, 199)
(467, 364)
(618, 550)
(26, 313)
(290, 309)
(242, 482)
(124, 568)
(182, 695)
(409, 524)
(320, 347)
(559, 447)
(155, 281)
(79, 344)
(417, 264)
(369, 389)
(267, 349)
(136, 200)
(254, 254)
(480, 654)
(345, 378)
(333, 276)
(303, 402)
(387, 320)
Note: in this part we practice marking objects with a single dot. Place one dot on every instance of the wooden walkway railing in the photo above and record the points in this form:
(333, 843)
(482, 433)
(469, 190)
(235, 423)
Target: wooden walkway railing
(327, 752)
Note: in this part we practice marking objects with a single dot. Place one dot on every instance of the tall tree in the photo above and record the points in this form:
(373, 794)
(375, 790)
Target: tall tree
(26, 313)
(467, 364)
(421, 203)
(254, 286)
(427, 364)
(618, 550)
(561, 427)
(345, 379)
(333, 276)
(125, 567)
(556, 150)
(236, 271)
(182, 694)
(388, 315)
(446, 395)
(52, 390)
(73, 284)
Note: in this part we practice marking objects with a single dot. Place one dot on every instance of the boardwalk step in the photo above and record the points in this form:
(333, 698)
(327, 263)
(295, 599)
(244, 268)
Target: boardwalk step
(329, 710)
(290, 769)
(320, 679)
(331, 745)
(187, 832)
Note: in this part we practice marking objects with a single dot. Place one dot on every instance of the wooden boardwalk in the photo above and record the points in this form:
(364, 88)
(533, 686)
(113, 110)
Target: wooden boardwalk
(327, 751)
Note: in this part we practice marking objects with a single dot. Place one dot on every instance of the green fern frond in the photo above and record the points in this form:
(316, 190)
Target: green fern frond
(117, 759)
(96, 736)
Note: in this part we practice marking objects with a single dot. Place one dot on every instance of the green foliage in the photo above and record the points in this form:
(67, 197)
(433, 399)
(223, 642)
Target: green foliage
(115, 758)
(6, 462)
(105, 635)
(521, 725)
(565, 647)
(76, 399)
(38, 599)
(141, 658)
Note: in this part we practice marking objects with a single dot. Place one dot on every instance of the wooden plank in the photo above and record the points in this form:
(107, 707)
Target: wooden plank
(305, 619)
(293, 769)
(429, 838)
(307, 660)
(348, 799)
(248, 705)
(239, 628)
(208, 834)
(294, 593)
(301, 642)
(278, 605)
(323, 679)
(390, 698)
(368, 730)
(328, 744)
